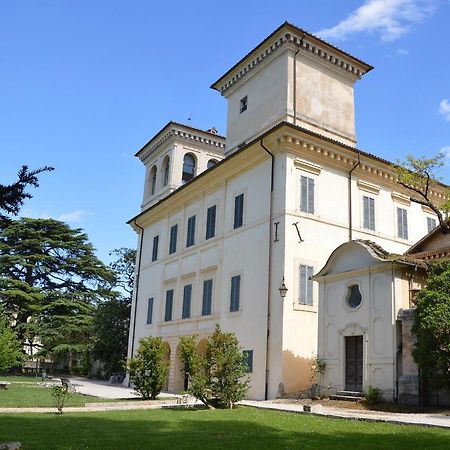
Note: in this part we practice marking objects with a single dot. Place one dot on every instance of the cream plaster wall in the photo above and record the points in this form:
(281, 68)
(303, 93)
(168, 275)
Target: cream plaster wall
(266, 91)
(384, 292)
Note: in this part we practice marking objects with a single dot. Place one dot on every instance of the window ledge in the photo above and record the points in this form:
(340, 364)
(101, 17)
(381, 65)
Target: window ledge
(231, 314)
(306, 308)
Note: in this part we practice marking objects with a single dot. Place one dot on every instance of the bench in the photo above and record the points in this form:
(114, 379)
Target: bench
(4, 384)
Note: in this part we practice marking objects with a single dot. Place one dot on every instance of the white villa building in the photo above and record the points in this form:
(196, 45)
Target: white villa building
(224, 222)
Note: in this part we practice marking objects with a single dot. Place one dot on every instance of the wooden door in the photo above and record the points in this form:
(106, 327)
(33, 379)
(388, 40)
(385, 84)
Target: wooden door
(353, 363)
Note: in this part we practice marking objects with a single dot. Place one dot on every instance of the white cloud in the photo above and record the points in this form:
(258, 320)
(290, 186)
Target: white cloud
(72, 216)
(390, 19)
(402, 52)
(444, 109)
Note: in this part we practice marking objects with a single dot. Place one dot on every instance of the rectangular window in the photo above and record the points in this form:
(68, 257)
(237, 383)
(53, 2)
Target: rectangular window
(169, 306)
(306, 285)
(210, 222)
(207, 297)
(190, 238)
(248, 360)
(402, 223)
(173, 239)
(307, 194)
(238, 211)
(155, 248)
(243, 104)
(150, 311)
(369, 213)
(431, 224)
(235, 293)
(187, 295)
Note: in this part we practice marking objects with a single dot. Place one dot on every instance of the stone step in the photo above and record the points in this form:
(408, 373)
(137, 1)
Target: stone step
(347, 398)
(351, 393)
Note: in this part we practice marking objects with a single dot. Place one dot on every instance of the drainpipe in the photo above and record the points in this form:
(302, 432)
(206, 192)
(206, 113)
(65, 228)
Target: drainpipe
(136, 288)
(350, 220)
(294, 100)
(269, 275)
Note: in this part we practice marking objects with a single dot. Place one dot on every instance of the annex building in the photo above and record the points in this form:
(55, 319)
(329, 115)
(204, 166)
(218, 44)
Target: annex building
(226, 222)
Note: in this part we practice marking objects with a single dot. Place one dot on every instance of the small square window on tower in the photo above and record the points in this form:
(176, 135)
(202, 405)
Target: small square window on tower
(243, 104)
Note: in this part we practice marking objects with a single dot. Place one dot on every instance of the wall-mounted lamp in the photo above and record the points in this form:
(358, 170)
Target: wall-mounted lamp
(283, 289)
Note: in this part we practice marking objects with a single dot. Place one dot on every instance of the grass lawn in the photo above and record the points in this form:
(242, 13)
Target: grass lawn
(243, 428)
(32, 395)
(20, 378)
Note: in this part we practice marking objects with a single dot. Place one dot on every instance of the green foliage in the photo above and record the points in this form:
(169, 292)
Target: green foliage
(13, 195)
(123, 268)
(220, 375)
(50, 283)
(110, 334)
(432, 327)
(373, 395)
(148, 369)
(318, 368)
(419, 176)
(11, 353)
(60, 396)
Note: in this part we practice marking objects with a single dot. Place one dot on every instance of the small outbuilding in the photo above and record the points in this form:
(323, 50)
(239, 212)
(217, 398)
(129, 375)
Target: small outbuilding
(366, 296)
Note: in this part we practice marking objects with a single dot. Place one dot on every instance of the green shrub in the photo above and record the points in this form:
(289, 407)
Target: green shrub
(373, 395)
(60, 396)
(218, 378)
(148, 370)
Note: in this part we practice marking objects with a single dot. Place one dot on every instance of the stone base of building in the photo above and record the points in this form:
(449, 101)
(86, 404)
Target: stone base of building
(408, 390)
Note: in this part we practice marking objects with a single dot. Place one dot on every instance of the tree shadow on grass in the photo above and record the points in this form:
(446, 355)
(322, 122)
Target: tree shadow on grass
(247, 429)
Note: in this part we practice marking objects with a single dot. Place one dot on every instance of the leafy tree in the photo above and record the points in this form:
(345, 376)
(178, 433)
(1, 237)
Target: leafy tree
(148, 370)
(50, 282)
(123, 268)
(220, 375)
(432, 327)
(227, 368)
(419, 176)
(112, 318)
(11, 353)
(110, 333)
(13, 195)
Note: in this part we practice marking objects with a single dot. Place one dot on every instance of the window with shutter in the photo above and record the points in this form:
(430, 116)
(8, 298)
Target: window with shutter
(369, 213)
(173, 239)
(207, 297)
(190, 238)
(306, 285)
(187, 294)
(431, 224)
(402, 223)
(169, 306)
(307, 194)
(238, 211)
(210, 222)
(150, 311)
(235, 293)
(155, 248)
(248, 360)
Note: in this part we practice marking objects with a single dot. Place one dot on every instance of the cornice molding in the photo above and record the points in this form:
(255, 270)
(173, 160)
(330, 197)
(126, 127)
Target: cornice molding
(401, 198)
(312, 47)
(382, 171)
(307, 166)
(178, 132)
(368, 187)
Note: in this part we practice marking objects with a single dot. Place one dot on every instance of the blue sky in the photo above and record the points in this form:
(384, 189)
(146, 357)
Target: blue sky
(84, 84)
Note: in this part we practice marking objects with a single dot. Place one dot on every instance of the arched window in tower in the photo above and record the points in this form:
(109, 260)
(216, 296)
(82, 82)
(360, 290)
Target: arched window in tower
(166, 166)
(188, 167)
(153, 180)
(211, 163)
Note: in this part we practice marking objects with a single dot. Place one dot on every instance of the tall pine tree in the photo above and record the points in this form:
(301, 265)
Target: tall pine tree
(50, 283)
